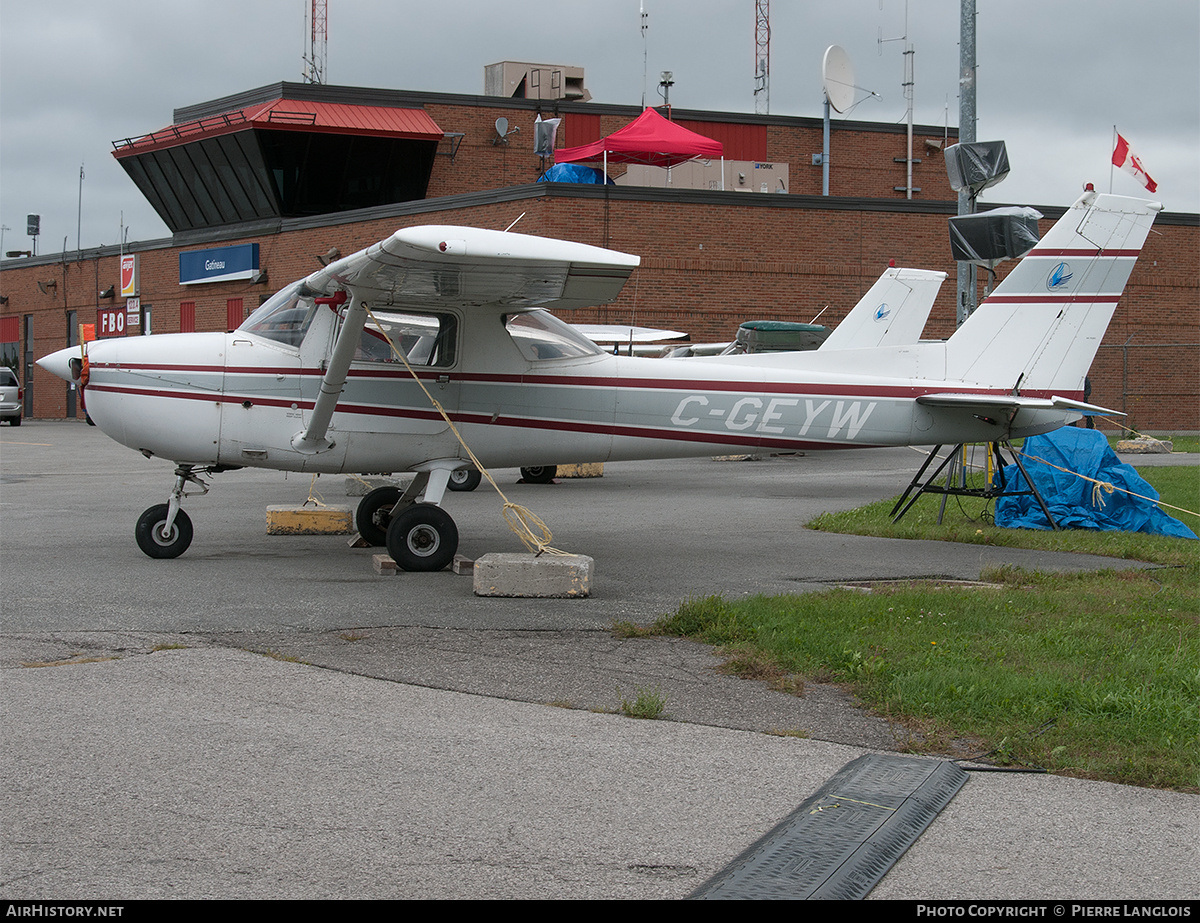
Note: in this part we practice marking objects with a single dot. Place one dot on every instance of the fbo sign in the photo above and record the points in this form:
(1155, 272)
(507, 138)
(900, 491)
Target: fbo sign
(110, 322)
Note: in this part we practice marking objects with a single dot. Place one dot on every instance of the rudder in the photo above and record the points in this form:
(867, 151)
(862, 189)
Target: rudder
(1038, 332)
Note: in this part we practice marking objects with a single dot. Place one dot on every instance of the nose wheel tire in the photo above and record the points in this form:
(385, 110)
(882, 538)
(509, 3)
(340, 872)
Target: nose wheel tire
(422, 537)
(153, 542)
(374, 513)
(464, 479)
(541, 474)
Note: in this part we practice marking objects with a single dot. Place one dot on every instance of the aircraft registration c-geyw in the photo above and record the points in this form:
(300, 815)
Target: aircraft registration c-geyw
(334, 373)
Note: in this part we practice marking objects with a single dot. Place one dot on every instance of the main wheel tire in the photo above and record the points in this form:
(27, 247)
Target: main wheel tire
(150, 537)
(374, 513)
(422, 537)
(464, 479)
(15, 421)
(540, 474)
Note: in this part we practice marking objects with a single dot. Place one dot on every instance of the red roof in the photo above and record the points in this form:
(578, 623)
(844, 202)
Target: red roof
(648, 139)
(294, 115)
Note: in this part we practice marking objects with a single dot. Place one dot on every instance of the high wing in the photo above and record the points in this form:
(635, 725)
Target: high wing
(443, 266)
(437, 265)
(893, 312)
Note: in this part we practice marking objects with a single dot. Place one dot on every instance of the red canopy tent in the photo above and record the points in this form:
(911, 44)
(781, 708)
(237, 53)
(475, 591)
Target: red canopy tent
(648, 139)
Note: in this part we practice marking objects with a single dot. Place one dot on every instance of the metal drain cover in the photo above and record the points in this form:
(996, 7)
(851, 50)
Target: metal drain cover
(842, 840)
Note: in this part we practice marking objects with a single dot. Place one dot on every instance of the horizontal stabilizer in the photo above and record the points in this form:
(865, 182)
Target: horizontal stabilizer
(1007, 405)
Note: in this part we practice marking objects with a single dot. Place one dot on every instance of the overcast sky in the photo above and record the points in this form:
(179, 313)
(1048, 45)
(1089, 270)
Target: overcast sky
(1054, 77)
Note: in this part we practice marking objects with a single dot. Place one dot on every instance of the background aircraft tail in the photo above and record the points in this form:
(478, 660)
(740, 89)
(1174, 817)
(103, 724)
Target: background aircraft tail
(1038, 332)
(892, 312)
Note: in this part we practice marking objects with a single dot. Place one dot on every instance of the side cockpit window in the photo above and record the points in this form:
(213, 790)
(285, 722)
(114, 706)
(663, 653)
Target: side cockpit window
(426, 340)
(540, 335)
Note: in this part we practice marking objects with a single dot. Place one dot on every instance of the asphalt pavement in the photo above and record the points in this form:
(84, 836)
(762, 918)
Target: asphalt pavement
(267, 717)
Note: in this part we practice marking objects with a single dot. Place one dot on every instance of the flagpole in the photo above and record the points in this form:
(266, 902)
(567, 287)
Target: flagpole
(1110, 160)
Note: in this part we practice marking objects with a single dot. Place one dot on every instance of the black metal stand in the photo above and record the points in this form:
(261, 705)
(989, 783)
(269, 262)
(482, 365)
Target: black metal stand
(983, 493)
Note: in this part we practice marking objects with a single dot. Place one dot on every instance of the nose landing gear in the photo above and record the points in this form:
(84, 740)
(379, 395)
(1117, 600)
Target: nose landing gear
(165, 530)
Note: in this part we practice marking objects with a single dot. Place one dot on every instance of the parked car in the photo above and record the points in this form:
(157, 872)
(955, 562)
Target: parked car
(10, 397)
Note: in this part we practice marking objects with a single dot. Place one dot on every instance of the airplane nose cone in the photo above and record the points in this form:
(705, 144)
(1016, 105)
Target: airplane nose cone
(59, 363)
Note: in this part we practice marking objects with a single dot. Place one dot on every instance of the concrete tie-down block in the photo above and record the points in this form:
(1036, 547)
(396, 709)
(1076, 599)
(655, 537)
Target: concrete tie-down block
(309, 520)
(593, 470)
(534, 576)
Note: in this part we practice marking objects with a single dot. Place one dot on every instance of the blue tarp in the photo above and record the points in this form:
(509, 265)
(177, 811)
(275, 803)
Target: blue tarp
(1070, 498)
(574, 173)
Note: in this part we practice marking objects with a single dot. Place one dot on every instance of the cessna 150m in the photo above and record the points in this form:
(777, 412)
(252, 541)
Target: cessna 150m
(334, 373)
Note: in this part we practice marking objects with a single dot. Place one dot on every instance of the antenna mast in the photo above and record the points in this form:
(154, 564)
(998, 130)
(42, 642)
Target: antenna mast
(645, 26)
(908, 84)
(762, 57)
(317, 23)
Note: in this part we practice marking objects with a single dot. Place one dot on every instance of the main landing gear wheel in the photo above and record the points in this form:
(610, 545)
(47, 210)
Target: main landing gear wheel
(150, 537)
(541, 474)
(464, 479)
(422, 537)
(374, 513)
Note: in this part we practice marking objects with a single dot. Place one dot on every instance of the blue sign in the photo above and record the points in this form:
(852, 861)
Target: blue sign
(220, 264)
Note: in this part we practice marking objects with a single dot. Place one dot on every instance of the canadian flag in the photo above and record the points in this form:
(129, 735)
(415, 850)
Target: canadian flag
(1124, 157)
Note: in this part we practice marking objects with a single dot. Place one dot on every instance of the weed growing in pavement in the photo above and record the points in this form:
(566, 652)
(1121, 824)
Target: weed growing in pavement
(648, 702)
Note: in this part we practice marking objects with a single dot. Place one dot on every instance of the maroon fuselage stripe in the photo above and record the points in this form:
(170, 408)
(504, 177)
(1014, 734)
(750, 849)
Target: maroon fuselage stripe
(577, 381)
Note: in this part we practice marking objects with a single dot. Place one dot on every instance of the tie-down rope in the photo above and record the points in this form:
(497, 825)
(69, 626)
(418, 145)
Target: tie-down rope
(521, 520)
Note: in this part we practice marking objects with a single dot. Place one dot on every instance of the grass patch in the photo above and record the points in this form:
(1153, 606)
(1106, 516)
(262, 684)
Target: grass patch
(747, 661)
(278, 655)
(1091, 675)
(1094, 675)
(71, 661)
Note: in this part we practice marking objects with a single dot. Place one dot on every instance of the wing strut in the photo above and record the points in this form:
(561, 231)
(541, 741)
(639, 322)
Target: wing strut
(312, 440)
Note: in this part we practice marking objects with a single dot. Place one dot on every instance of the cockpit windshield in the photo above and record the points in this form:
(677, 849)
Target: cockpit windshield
(540, 335)
(284, 317)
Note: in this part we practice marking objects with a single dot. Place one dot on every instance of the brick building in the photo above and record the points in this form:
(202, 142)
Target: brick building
(711, 258)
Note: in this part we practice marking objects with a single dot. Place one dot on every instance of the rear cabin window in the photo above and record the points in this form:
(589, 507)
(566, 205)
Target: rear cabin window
(540, 335)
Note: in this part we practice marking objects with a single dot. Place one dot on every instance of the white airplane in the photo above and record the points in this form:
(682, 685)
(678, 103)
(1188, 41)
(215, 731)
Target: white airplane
(310, 381)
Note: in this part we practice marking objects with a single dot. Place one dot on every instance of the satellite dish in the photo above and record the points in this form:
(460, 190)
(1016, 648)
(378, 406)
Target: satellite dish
(502, 126)
(837, 77)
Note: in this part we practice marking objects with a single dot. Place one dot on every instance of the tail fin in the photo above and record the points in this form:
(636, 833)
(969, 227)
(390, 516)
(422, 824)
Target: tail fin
(1039, 330)
(892, 312)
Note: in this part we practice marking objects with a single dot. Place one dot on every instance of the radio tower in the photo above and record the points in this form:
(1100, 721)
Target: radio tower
(317, 26)
(762, 57)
